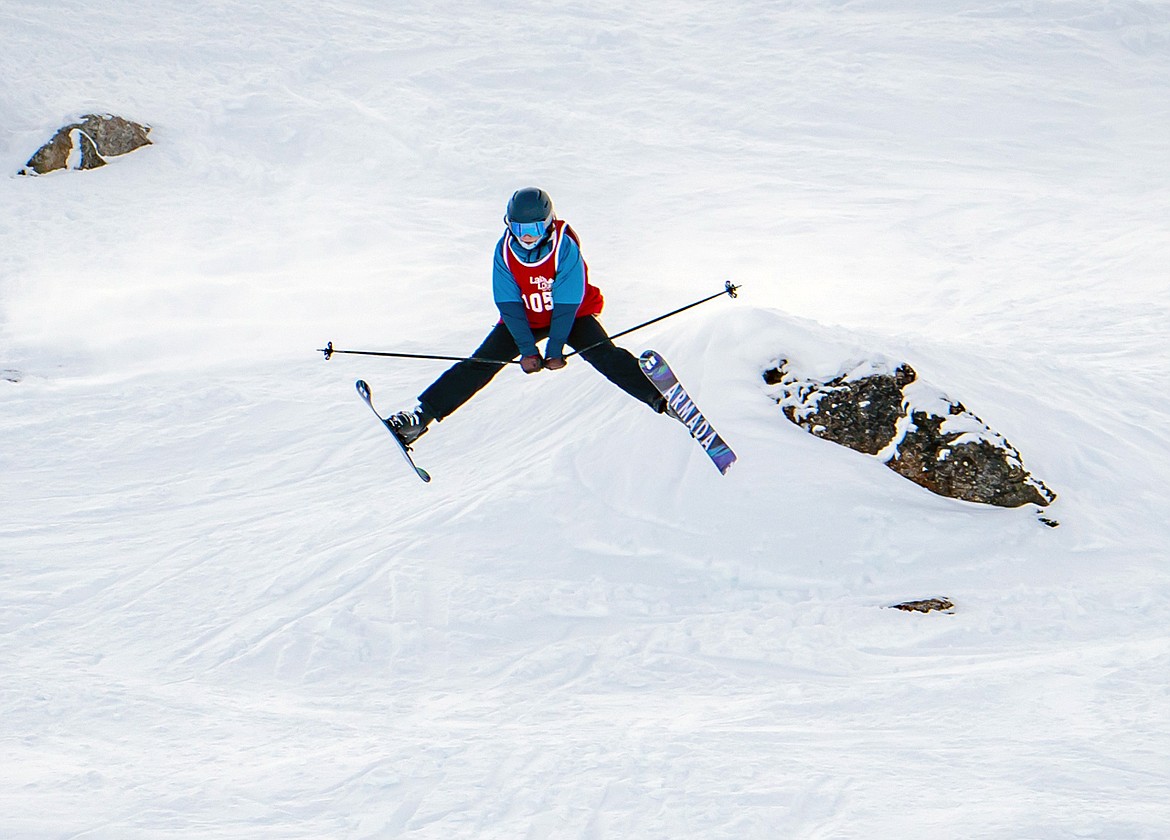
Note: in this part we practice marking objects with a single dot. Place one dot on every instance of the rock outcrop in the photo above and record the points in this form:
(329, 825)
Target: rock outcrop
(87, 144)
(917, 432)
(928, 605)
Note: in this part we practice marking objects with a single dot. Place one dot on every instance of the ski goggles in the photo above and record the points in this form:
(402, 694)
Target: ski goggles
(536, 229)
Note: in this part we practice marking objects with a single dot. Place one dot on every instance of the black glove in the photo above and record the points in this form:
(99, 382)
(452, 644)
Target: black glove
(531, 364)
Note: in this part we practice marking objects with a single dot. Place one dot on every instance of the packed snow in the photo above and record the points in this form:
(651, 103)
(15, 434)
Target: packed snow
(228, 609)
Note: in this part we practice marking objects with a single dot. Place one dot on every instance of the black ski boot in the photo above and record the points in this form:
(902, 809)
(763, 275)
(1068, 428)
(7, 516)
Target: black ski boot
(409, 426)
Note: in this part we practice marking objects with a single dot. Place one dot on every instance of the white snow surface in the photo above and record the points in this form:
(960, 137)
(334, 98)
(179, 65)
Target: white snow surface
(227, 610)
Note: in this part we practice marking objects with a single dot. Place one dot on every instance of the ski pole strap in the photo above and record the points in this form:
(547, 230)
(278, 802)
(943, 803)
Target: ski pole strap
(329, 352)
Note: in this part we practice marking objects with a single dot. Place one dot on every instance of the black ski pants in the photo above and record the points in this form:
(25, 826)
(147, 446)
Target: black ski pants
(462, 380)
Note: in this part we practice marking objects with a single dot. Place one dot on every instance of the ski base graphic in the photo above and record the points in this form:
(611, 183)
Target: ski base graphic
(683, 407)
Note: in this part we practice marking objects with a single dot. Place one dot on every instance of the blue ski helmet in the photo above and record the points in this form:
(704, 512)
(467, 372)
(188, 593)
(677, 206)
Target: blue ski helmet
(530, 213)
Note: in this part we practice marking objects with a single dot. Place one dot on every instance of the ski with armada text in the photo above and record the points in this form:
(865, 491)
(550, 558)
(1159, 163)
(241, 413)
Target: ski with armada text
(681, 406)
(364, 392)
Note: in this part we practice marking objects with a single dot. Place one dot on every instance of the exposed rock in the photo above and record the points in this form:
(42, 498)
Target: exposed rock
(860, 413)
(10, 375)
(87, 144)
(940, 604)
(985, 469)
(918, 433)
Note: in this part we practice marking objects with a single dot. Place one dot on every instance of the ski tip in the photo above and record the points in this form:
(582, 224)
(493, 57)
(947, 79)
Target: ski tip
(362, 388)
(423, 474)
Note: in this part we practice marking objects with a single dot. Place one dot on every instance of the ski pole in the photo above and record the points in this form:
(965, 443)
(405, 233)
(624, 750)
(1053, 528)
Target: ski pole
(728, 289)
(330, 352)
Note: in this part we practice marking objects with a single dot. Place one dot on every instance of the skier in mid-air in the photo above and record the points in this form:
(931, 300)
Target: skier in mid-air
(541, 286)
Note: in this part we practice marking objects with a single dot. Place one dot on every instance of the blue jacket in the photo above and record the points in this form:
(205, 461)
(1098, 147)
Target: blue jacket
(568, 291)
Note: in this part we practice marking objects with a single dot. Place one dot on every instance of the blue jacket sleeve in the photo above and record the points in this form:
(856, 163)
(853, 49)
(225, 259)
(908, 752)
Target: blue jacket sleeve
(568, 291)
(507, 297)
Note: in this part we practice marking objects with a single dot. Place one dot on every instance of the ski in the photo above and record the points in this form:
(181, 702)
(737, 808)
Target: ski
(364, 392)
(683, 407)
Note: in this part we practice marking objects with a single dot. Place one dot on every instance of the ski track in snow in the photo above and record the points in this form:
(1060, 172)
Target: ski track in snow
(227, 610)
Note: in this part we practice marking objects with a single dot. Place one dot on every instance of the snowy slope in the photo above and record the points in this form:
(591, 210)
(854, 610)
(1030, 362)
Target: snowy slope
(229, 612)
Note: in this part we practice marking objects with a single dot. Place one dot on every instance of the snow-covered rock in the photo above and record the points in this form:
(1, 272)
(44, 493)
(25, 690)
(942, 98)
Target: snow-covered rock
(918, 432)
(87, 143)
